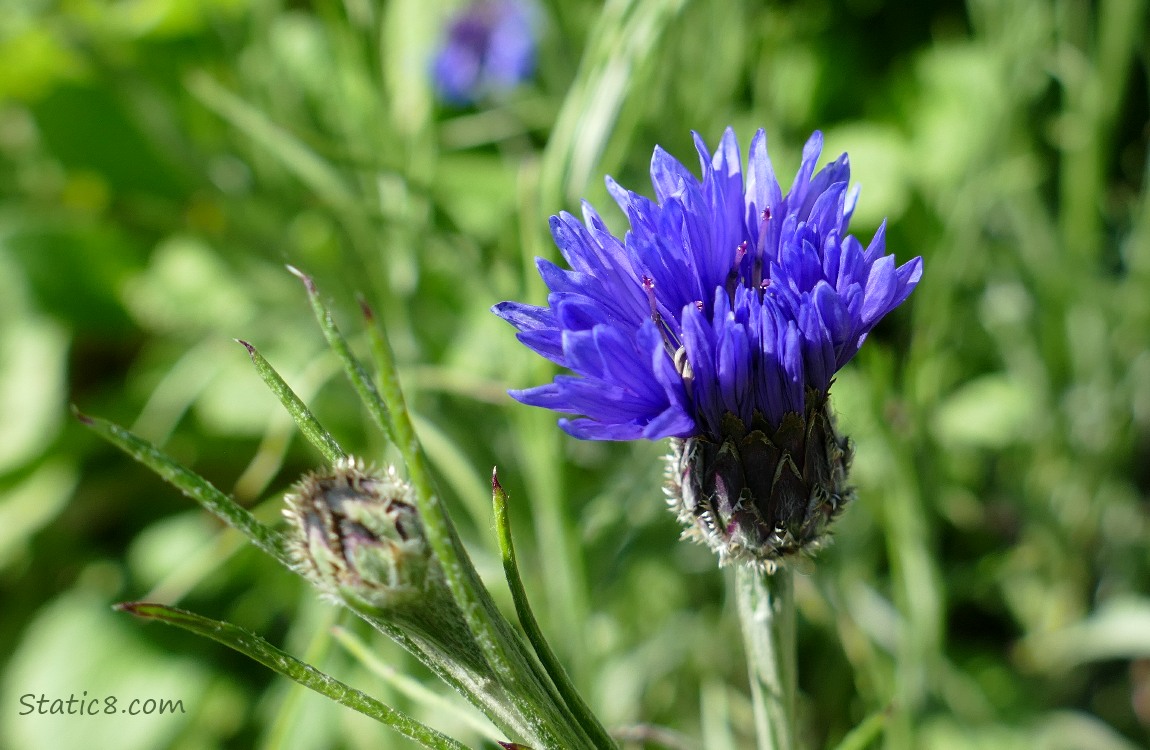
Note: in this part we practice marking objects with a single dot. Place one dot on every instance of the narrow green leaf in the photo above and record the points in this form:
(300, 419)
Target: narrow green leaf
(867, 731)
(359, 378)
(583, 713)
(192, 485)
(1118, 629)
(260, 650)
(304, 419)
(392, 393)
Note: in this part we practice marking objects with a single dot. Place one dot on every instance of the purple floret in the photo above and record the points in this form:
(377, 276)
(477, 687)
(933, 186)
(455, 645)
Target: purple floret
(489, 49)
(724, 297)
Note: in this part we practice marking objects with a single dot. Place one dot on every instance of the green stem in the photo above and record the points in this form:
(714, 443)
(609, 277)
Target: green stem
(767, 616)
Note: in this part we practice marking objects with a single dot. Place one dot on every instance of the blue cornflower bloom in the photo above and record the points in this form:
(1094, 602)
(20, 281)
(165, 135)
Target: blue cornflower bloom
(719, 320)
(489, 48)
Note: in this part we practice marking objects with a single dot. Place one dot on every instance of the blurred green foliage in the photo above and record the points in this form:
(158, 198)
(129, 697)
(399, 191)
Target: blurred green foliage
(160, 160)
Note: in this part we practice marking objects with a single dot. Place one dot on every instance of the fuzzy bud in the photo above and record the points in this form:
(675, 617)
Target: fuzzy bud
(356, 534)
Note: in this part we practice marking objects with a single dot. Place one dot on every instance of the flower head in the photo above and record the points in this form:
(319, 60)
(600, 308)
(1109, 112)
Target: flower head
(720, 320)
(489, 48)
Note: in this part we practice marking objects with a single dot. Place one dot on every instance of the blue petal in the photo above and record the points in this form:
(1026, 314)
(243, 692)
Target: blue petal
(668, 176)
(558, 280)
(819, 361)
(582, 353)
(763, 189)
(673, 422)
(573, 242)
(525, 317)
(837, 171)
(832, 313)
(698, 340)
(908, 274)
(826, 211)
(811, 151)
(576, 311)
(723, 192)
(587, 429)
(880, 290)
(734, 370)
(877, 244)
(793, 380)
(851, 201)
(674, 389)
(546, 342)
(549, 396)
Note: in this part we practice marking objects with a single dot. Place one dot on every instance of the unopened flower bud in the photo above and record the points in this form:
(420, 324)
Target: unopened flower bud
(761, 493)
(357, 535)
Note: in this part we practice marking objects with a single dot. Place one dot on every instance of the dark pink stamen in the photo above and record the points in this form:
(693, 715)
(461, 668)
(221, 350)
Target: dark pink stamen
(649, 288)
(740, 252)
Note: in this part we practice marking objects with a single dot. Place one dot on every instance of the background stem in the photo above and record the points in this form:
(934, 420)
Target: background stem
(767, 617)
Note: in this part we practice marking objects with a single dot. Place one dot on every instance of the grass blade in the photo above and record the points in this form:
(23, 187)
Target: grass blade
(287, 665)
(867, 731)
(311, 169)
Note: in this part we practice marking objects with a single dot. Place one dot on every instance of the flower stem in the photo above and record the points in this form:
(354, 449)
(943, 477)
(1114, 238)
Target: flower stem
(767, 616)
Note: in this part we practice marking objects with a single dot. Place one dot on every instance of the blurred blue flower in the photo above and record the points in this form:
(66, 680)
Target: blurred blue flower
(719, 320)
(725, 297)
(489, 48)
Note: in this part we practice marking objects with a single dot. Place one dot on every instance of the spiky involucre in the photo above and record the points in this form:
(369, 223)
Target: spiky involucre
(762, 493)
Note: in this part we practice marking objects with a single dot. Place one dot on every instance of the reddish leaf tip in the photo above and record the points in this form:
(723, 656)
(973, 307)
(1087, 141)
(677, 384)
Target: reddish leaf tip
(365, 308)
(308, 283)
